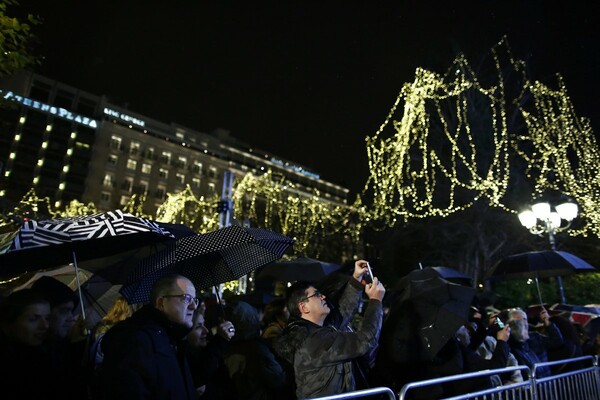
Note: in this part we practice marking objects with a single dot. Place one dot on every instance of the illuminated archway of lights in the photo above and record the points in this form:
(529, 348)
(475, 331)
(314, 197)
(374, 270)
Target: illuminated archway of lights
(442, 157)
(186, 208)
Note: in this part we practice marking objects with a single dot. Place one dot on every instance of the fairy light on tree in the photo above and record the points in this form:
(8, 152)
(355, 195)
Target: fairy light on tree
(453, 145)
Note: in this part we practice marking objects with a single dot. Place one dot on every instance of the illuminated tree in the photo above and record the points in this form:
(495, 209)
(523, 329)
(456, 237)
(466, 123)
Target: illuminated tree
(270, 201)
(464, 143)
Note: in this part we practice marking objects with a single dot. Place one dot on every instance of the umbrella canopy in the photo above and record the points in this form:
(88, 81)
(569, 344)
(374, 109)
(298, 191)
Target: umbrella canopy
(51, 243)
(426, 314)
(98, 293)
(208, 260)
(300, 269)
(540, 264)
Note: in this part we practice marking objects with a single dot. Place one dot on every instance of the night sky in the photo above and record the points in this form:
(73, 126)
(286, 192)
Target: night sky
(303, 80)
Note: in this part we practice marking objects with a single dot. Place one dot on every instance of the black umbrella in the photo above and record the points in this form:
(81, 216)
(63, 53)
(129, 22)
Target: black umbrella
(208, 260)
(51, 243)
(425, 315)
(538, 264)
(300, 269)
(95, 242)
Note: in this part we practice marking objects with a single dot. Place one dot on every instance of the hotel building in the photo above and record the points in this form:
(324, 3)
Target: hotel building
(69, 144)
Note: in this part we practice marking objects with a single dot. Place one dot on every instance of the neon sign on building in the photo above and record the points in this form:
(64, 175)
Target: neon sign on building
(124, 117)
(56, 111)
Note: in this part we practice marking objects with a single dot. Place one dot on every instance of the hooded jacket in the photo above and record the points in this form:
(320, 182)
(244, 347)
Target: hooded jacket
(321, 356)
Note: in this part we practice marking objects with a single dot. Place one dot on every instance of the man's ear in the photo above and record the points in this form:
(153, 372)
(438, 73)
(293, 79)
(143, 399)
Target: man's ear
(159, 303)
(303, 308)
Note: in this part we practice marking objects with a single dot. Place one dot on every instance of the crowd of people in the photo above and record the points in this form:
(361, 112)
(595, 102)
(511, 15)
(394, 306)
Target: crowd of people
(321, 339)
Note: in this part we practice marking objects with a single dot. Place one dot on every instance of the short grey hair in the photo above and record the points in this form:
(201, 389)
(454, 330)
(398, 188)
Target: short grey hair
(164, 285)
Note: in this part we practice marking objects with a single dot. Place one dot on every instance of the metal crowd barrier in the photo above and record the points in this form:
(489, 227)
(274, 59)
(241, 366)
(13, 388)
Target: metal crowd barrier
(582, 383)
(515, 391)
(362, 393)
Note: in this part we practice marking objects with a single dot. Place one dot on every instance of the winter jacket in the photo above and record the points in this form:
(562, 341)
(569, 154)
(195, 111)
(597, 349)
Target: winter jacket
(534, 350)
(322, 355)
(144, 359)
(253, 369)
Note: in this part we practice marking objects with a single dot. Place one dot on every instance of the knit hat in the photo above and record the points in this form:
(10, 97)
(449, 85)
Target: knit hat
(55, 291)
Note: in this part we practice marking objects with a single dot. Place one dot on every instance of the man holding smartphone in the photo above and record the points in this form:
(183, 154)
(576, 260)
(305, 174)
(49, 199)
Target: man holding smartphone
(321, 356)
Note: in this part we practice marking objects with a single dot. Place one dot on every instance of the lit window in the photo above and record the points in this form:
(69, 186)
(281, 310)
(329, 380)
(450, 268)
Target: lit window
(212, 172)
(105, 197)
(182, 161)
(180, 178)
(165, 157)
(134, 148)
(115, 143)
(66, 169)
(112, 159)
(17, 137)
(212, 188)
(73, 135)
(196, 182)
(197, 167)
(146, 168)
(108, 180)
(163, 173)
(131, 164)
(124, 200)
(22, 120)
(61, 186)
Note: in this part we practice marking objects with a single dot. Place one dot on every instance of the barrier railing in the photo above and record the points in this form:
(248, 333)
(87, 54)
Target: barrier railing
(582, 383)
(520, 390)
(362, 393)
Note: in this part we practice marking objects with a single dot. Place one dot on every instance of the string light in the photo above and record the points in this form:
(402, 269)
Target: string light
(453, 145)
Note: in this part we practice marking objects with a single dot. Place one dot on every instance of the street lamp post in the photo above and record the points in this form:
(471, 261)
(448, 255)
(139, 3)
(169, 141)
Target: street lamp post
(541, 219)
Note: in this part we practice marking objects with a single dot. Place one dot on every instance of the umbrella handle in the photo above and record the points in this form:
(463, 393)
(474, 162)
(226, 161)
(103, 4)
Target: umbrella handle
(78, 285)
(537, 285)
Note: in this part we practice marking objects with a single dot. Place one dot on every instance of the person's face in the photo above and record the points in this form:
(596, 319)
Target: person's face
(179, 304)
(198, 337)
(62, 319)
(315, 303)
(31, 327)
(519, 327)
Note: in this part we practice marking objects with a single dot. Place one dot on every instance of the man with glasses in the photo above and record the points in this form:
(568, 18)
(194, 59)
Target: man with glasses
(320, 356)
(143, 355)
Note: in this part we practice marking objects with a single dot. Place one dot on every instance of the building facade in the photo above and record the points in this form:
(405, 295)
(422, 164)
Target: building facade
(69, 144)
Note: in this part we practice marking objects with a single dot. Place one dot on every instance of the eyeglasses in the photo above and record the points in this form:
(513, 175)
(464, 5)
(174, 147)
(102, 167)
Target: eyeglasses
(186, 299)
(315, 294)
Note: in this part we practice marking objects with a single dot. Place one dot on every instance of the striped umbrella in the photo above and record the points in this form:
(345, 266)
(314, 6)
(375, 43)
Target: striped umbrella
(208, 260)
(50, 243)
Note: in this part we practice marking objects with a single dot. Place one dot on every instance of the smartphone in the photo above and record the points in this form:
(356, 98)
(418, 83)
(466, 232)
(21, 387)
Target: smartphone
(368, 276)
(499, 323)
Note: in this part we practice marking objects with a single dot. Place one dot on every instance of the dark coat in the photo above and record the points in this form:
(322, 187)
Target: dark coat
(535, 349)
(25, 371)
(322, 356)
(252, 367)
(143, 359)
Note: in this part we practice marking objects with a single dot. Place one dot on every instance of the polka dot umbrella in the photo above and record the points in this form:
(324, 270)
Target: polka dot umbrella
(208, 259)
